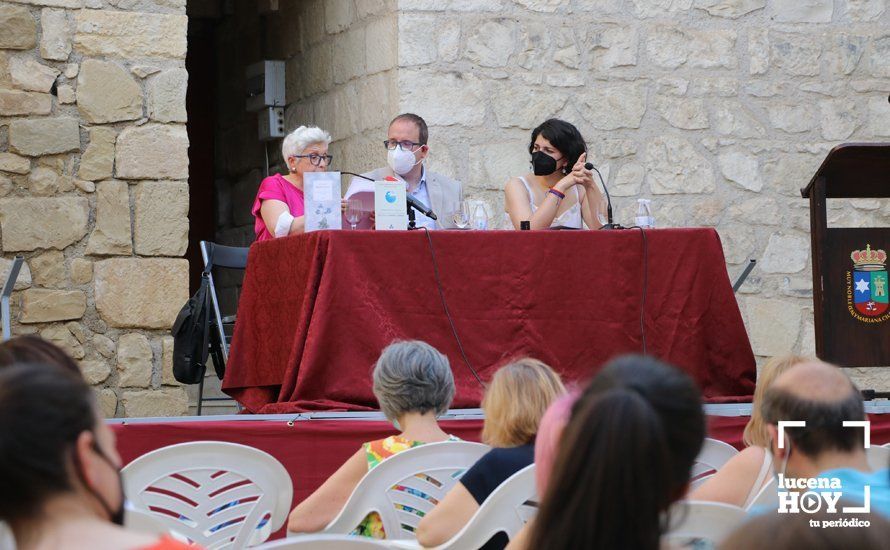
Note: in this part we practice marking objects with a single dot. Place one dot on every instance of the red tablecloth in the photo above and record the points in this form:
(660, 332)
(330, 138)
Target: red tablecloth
(316, 309)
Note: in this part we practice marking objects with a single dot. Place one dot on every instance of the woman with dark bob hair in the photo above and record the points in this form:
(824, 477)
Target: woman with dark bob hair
(545, 197)
(414, 385)
(625, 457)
(59, 469)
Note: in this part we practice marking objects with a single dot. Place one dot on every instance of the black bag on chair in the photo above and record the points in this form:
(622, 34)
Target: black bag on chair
(191, 336)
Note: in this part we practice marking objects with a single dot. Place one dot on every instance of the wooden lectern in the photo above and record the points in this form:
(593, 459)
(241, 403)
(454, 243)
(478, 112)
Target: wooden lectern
(850, 283)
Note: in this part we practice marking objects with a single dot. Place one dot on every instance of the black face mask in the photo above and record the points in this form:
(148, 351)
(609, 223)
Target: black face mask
(116, 516)
(543, 164)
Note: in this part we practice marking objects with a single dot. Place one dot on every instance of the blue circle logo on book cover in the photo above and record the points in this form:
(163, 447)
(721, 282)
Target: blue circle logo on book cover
(867, 286)
(390, 197)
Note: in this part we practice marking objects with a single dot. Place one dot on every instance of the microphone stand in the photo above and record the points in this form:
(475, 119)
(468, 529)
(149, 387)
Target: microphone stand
(412, 222)
(609, 224)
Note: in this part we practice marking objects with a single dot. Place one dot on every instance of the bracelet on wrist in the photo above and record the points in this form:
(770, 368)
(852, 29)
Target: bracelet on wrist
(559, 195)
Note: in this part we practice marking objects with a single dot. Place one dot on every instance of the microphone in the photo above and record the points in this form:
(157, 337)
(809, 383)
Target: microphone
(357, 175)
(609, 223)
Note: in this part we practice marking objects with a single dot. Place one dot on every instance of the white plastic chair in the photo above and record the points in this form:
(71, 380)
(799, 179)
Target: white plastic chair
(404, 487)
(878, 457)
(324, 542)
(217, 494)
(693, 520)
(713, 455)
(507, 509)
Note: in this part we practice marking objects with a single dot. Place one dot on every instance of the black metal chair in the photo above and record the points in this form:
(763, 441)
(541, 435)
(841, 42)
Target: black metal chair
(221, 328)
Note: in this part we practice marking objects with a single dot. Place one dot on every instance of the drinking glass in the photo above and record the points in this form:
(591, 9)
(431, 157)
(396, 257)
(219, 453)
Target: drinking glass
(460, 214)
(353, 212)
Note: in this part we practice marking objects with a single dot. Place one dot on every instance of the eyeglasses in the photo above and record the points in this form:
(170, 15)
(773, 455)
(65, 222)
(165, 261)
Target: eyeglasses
(404, 145)
(316, 159)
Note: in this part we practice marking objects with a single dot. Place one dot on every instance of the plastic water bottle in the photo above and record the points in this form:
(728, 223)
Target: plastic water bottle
(644, 214)
(480, 217)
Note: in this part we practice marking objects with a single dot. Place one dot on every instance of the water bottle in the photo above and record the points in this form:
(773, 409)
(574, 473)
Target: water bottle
(480, 217)
(644, 214)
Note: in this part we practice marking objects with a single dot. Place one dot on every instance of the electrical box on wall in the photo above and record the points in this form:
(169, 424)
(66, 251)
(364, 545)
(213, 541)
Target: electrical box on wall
(271, 123)
(265, 85)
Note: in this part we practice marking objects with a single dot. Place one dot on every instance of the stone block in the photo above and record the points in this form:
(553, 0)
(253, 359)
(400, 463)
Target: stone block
(45, 182)
(104, 346)
(492, 164)
(130, 35)
(796, 54)
(10, 162)
(97, 161)
(107, 402)
(732, 9)
(65, 339)
(863, 10)
(48, 269)
(53, 3)
(33, 223)
(24, 278)
(613, 107)
(628, 180)
(879, 116)
(838, 119)
(148, 403)
(161, 218)
(676, 167)
(443, 98)
(18, 103)
(731, 118)
(134, 360)
(338, 15)
(683, 113)
(56, 32)
(656, 8)
(18, 30)
(793, 119)
(107, 93)
(614, 47)
(741, 169)
(670, 47)
(48, 136)
(140, 292)
(44, 306)
(166, 96)
(152, 151)
(28, 74)
(802, 11)
(382, 44)
(111, 234)
(785, 254)
(349, 55)
(67, 96)
(95, 372)
(773, 325)
(81, 271)
(528, 113)
(167, 377)
(491, 43)
(415, 46)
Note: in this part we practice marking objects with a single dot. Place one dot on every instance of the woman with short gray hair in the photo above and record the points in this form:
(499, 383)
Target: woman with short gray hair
(413, 384)
(279, 206)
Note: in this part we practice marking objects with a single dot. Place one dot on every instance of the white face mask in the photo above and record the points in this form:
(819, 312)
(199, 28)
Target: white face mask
(401, 161)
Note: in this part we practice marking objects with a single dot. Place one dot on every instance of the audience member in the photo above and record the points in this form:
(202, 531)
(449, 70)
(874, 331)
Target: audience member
(824, 397)
(793, 531)
(59, 469)
(549, 435)
(514, 403)
(625, 457)
(34, 349)
(413, 384)
(740, 480)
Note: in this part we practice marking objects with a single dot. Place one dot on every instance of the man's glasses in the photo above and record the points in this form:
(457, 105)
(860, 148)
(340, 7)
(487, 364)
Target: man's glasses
(316, 159)
(404, 145)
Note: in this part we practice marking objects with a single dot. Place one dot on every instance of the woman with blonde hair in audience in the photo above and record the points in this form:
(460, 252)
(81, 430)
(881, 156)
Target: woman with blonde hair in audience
(279, 205)
(740, 480)
(59, 469)
(414, 385)
(515, 400)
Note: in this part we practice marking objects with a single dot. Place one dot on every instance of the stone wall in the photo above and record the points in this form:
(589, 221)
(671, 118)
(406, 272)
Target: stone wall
(93, 170)
(718, 110)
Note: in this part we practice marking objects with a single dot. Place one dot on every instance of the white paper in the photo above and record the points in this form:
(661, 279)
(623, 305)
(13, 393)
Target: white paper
(390, 205)
(321, 191)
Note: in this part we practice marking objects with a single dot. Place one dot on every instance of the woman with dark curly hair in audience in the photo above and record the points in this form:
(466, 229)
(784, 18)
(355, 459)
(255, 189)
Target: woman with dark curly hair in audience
(625, 457)
(59, 470)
